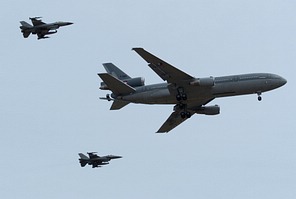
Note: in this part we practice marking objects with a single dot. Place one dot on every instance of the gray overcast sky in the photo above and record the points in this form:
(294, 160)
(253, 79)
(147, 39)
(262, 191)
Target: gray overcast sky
(50, 108)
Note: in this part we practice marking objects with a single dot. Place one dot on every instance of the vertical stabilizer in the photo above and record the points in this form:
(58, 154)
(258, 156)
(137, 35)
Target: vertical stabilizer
(82, 156)
(115, 71)
(25, 24)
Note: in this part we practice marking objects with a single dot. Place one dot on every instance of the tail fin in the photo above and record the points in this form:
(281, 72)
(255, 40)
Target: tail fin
(115, 71)
(25, 27)
(82, 156)
(83, 159)
(117, 86)
(120, 75)
(25, 24)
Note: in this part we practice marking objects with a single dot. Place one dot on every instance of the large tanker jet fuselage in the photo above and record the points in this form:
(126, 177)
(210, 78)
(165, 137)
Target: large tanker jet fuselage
(254, 83)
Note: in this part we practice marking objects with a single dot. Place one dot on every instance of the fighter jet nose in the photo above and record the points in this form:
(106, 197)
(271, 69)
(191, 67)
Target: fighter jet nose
(118, 157)
(113, 156)
(283, 81)
(61, 23)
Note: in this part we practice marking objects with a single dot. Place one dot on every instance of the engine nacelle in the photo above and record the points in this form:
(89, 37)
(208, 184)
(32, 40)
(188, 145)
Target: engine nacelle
(133, 82)
(205, 81)
(209, 110)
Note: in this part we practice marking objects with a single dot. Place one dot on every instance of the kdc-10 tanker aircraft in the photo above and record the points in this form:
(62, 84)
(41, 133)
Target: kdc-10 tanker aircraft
(190, 95)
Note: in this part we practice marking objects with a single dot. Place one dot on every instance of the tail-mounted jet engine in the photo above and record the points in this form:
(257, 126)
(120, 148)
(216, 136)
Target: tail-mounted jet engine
(133, 82)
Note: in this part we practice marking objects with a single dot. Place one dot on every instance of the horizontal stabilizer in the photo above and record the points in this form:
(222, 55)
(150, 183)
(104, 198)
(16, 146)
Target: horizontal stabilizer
(117, 86)
(118, 104)
(26, 34)
(82, 164)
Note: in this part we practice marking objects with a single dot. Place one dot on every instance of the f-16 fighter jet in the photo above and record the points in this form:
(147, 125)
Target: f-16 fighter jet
(95, 160)
(189, 94)
(40, 28)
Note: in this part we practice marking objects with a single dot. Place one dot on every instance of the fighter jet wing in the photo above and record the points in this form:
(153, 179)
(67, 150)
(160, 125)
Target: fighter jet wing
(95, 164)
(92, 155)
(36, 21)
(166, 71)
(41, 34)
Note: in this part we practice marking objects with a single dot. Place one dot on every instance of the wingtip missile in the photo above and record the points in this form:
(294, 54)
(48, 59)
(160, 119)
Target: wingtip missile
(34, 18)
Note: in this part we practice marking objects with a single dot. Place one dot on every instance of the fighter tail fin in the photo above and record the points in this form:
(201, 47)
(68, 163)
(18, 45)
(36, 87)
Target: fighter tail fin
(82, 156)
(25, 24)
(117, 86)
(115, 71)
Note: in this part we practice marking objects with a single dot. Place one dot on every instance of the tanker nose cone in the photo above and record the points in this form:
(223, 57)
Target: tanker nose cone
(278, 81)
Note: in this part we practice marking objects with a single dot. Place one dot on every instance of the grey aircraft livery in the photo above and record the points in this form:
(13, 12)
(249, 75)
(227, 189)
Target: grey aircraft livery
(189, 94)
(95, 160)
(40, 28)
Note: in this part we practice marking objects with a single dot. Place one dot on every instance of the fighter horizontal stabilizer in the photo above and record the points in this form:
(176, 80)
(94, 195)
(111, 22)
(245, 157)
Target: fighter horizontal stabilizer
(117, 86)
(83, 163)
(118, 104)
(26, 34)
